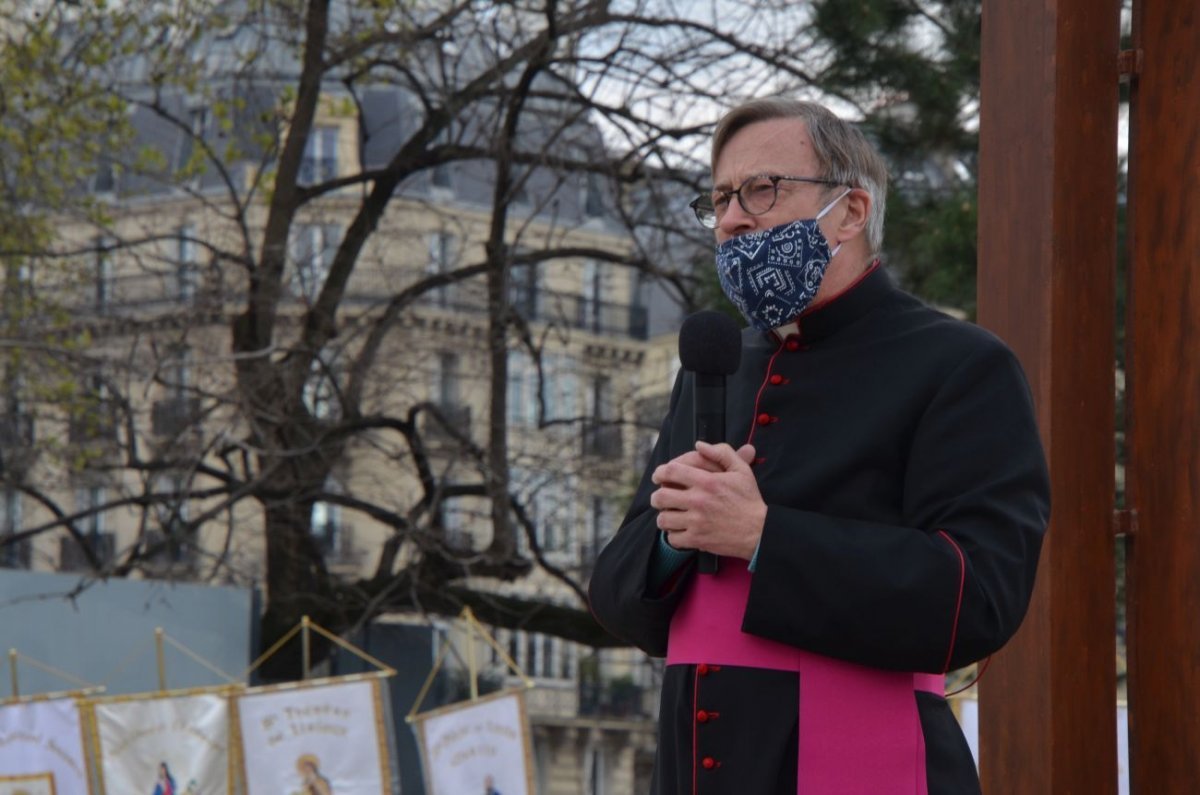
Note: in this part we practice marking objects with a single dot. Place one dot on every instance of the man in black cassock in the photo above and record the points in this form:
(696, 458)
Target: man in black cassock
(878, 514)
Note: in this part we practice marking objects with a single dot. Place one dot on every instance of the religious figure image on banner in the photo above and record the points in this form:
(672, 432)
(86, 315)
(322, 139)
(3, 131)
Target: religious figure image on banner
(40, 738)
(164, 745)
(480, 746)
(318, 739)
(36, 784)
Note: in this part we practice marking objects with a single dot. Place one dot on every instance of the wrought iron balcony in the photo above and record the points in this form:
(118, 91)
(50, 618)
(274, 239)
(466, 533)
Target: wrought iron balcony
(72, 557)
(602, 439)
(615, 698)
(99, 424)
(15, 554)
(570, 310)
(457, 417)
(16, 429)
(171, 416)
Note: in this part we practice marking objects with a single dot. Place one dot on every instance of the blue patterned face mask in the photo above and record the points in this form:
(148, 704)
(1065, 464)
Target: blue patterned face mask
(773, 275)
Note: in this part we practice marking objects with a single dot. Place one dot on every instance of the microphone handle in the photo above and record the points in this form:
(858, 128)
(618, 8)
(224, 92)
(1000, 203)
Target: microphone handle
(709, 413)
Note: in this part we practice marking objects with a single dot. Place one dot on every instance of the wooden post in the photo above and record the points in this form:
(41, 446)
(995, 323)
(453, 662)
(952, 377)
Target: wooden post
(1163, 398)
(1047, 254)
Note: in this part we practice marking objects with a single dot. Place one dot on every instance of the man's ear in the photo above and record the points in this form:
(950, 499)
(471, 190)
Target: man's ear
(853, 221)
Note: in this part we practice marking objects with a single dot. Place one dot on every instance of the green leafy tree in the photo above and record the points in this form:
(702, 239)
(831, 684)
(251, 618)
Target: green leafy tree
(911, 70)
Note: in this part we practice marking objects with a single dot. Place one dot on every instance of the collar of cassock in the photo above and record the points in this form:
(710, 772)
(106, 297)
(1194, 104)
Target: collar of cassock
(835, 313)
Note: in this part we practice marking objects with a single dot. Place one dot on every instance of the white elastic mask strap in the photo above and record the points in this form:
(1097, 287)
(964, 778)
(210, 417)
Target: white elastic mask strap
(829, 206)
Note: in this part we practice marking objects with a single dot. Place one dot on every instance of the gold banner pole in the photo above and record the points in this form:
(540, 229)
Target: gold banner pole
(472, 665)
(162, 660)
(12, 662)
(306, 645)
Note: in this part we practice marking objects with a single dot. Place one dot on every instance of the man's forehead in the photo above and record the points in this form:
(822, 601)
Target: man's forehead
(775, 146)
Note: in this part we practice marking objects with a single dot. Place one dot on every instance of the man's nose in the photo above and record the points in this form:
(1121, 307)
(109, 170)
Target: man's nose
(736, 221)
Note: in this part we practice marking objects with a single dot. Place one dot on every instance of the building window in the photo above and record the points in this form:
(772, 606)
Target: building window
(555, 391)
(180, 372)
(448, 380)
(595, 283)
(197, 129)
(595, 772)
(522, 389)
(14, 555)
(524, 290)
(552, 511)
(320, 161)
(601, 521)
(326, 525)
(18, 287)
(104, 274)
(441, 177)
(443, 258)
(90, 499)
(186, 272)
(174, 543)
(105, 178)
(313, 250)
(593, 196)
(602, 398)
(560, 387)
(321, 396)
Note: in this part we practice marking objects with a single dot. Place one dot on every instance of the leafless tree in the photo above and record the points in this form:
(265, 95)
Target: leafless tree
(539, 106)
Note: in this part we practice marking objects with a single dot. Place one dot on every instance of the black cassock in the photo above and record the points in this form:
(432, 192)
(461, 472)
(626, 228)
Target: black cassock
(907, 496)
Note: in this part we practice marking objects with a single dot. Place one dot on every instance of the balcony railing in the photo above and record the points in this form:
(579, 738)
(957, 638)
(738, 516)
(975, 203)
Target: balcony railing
(94, 426)
(15, 554)
(336, 541)
(602, 440)
(457, 417)
(16, 429)
(570, 310)
(171, 290)
(171, 416)
(171, 549)
(71, 556)
(617, 698)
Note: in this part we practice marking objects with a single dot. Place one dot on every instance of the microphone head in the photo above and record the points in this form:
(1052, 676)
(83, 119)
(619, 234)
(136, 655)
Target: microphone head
(710, 343)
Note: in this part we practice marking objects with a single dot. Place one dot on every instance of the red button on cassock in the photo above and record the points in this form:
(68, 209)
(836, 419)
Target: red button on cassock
(776, 379)
(764, 419)
(702, 669)
(702, 716)
(708, 763)
(792, 344)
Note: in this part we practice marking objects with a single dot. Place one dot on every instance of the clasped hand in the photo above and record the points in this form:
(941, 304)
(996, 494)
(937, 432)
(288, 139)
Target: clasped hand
(708, 499)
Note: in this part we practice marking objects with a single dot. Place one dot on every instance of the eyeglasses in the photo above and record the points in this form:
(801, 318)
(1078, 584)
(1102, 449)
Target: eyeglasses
(756, 194)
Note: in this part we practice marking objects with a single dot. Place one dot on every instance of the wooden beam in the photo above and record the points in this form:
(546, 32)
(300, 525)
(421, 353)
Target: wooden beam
(1163, 399)
(1047, 254)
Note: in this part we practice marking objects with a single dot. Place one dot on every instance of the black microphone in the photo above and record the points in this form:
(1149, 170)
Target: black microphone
(710, 346)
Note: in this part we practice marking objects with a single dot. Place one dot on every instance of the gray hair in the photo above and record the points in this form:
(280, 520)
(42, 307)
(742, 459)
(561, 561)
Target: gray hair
(843, 153)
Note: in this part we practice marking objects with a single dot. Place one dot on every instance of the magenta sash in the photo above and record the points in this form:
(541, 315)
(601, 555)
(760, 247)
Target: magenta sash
(860, 733)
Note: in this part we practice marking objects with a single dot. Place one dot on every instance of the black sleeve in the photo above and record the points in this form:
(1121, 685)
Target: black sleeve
(618, 589)
(951, 583)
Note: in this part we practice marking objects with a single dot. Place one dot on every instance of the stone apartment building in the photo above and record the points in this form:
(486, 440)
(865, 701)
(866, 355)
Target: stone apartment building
(158, 313)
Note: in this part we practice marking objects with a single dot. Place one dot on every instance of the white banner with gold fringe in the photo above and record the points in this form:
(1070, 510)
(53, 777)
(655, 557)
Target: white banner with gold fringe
(477, 746)
(41, 748)
(322, 737)
(38, 784)
(165, 744)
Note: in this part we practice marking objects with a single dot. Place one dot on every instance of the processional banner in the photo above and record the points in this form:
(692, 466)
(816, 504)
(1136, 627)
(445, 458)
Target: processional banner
(329, 738)
(41, 748)
(37, 784)
(477, 746)
(164, 744)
